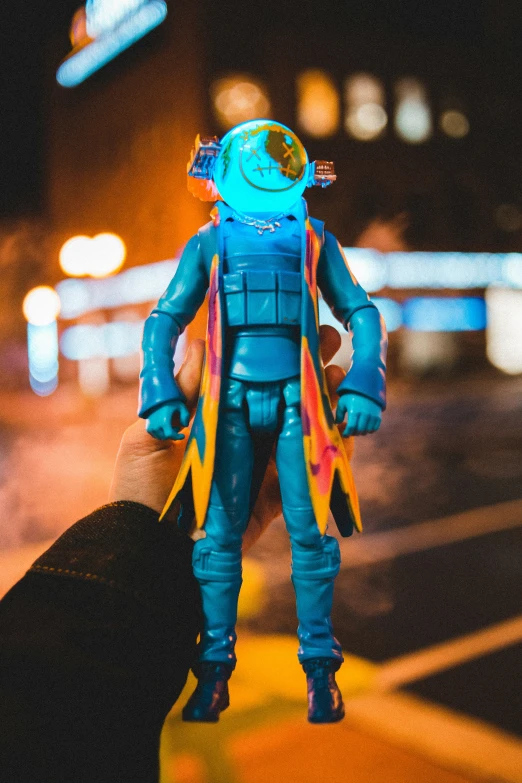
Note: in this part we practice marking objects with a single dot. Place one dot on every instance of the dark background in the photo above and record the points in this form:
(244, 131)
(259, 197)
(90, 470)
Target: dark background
(450, 189)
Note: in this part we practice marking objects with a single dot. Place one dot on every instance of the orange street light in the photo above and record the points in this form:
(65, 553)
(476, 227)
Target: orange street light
(98, 256)
(41, 306)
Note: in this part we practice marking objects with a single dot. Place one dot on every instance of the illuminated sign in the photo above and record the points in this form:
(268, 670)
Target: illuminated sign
(111, 341)
(101, 30)
(373, 270)
(402, 270)
(103, 15)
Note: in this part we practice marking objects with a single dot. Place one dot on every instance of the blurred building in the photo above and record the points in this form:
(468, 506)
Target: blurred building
(419, 111)
(119, 142)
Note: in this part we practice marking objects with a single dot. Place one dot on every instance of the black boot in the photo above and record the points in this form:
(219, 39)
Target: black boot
(325, 702)
(211, 695)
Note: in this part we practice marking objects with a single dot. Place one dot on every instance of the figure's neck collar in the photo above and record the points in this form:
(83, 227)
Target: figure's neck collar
(264, 221)
(261, 222)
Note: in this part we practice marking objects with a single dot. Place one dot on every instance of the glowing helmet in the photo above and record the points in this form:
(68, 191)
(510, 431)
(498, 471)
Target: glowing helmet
(260, 166)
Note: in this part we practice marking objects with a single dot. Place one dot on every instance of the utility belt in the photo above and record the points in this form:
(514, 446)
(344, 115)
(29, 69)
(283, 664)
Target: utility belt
(258, 297)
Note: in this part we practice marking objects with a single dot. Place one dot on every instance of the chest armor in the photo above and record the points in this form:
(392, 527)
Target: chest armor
(262, 294)
(262, 280)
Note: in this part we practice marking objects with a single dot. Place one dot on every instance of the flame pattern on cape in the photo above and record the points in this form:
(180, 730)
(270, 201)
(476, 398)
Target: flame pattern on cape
(201, 447)
(325, 454)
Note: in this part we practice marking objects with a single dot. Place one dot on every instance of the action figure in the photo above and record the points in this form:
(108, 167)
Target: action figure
(263, 260)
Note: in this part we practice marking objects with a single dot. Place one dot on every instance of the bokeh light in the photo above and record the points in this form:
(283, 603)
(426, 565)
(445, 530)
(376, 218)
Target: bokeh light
(88, 59)
(317, 103)
(454, 123)
(412, 114)
(103, 16)
(239, 97)
(366, 116)
(99, 256)
(42, 354)
(444, 314)
(508, 218)
(94, 376)
(42, 347)
(41, 306)
(108, 255)
(112, 340)
(504, 333)
(74, 256)
(424, 269)
(136, 285)
(390, 310)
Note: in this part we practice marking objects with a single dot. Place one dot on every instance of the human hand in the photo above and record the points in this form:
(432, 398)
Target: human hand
(146, 466)
(362, 414)
(160, 423)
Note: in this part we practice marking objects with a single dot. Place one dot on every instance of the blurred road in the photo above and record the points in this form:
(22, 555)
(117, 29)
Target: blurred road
(431, 593)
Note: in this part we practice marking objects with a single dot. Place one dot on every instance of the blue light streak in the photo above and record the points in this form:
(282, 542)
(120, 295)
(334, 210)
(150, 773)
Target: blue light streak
(83, 63)
(403, 270)
(391, 312)
(110, 341)
(374, 271)
(440, 314)
(134, 286)
(42, 350)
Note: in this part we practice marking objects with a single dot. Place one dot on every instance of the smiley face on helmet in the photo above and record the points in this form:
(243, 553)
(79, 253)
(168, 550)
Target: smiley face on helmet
(262, 167)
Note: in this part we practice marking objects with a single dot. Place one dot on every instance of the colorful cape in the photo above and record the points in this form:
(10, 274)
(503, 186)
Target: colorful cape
(330, 479)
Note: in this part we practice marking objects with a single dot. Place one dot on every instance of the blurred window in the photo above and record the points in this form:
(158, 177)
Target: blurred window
(239, 97)
(454, 123)
(508, 218)
(317, 103)
(365, 117)
(504, 333)
(413, 121)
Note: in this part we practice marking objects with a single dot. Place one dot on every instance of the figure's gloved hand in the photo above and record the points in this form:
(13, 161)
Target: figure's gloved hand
(362, 414)
(165, 422)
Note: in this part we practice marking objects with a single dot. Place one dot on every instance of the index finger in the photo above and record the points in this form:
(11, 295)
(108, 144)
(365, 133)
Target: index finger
(330, 341)
(334, 375)
(189, 375)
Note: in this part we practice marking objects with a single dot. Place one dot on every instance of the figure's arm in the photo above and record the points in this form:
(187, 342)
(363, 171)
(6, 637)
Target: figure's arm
(363, 390)
(160, 396)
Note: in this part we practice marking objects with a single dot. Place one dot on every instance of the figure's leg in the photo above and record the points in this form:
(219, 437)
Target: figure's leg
(315, 564)
(217, 563)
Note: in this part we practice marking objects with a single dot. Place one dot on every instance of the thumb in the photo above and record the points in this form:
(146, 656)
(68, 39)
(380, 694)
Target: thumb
(189, 375)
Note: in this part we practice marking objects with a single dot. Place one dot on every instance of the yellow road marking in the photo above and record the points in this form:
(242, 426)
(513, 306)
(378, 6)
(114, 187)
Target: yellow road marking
(268, 717)
(376, 547)
(447, 738)
(423, 663)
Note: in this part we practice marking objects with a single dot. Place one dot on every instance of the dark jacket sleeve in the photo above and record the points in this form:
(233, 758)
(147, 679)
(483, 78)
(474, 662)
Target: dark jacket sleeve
(96, 643)
(352, 306)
